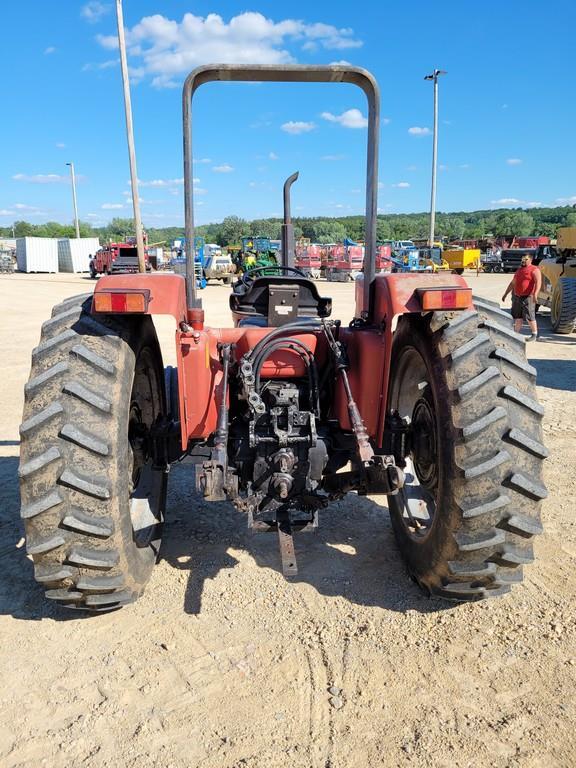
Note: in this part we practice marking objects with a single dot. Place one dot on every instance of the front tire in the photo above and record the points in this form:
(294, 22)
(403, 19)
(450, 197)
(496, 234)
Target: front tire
(471, 504)
(92, 499)
(563, 307)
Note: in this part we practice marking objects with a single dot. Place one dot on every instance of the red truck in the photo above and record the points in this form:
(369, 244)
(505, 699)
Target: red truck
(116, 258)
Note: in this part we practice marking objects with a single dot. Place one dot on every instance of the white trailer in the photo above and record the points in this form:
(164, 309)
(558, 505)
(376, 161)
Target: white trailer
(37, 254)
(74, 254)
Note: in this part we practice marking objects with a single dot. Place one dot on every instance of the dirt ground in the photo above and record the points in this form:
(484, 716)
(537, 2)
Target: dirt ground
(223, 663)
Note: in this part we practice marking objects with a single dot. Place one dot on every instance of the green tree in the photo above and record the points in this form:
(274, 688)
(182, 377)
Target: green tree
(23, 229)
(233, 228)
(383, 230)
(329, 231)
(517, 223)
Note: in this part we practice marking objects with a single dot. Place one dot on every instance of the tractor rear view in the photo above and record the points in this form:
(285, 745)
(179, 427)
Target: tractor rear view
(423, 398)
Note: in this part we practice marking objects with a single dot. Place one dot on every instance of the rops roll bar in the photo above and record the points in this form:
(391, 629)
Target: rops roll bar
(285, 74)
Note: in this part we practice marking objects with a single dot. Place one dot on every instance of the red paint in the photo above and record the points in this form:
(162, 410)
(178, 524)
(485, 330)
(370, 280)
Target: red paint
(309, 256)
(530, 242)
(367, 353)
(383, 258)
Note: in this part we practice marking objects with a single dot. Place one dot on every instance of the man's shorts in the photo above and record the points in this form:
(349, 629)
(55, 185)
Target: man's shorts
(523, 308)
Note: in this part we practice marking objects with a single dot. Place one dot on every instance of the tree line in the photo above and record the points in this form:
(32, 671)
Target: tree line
(401, 226)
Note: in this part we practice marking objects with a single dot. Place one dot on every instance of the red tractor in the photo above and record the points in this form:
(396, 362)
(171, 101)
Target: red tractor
(424, 398)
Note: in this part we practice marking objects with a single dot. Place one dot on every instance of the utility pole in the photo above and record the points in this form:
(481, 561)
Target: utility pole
(130, 137)
(73, 177)
(434, 77)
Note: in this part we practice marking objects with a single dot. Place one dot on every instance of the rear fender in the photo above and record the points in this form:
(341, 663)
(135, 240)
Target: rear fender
(167, 292)
(393, 295)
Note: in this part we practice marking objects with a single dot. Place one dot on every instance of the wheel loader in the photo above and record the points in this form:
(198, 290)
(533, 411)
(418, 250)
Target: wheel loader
(558, 289)
(423, 399)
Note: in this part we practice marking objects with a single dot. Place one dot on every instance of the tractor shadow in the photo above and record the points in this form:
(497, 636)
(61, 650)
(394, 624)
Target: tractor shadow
(352, 555)
(555, 374)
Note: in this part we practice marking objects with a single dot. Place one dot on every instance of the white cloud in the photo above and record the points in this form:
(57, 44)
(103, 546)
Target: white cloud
(514, 161)
(93, 67)
(224, 168)
(41, 178)
(112, 206)
(412, 168)
(6, 212)
(24, 207)
(464, 166)
(167, 49)
(298, 126)
(352, 118)
(417, 131)
(273, 156)
(340, 63)
(514, 201)
(60, 145)
(402, 185)
(566, 200)
(49, 50)
(332, 157)
(163, 182)
(203, 160)
(386, 121)
(506, 201)
(94, 11)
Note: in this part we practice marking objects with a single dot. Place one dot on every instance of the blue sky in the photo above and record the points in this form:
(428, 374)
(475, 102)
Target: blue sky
(507, 107)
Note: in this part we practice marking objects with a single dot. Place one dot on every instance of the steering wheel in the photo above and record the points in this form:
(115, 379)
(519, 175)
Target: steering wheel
(252, 274)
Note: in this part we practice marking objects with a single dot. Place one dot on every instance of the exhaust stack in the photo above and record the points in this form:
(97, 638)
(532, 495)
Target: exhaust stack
(288, 255)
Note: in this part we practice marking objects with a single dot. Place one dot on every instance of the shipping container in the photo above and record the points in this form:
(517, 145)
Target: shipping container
(37, 254)
(74, 254)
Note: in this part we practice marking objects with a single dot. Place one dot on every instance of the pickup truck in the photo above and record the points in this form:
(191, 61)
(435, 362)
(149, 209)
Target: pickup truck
(511, 257)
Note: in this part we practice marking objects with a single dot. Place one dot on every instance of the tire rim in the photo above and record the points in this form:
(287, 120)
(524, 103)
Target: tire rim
(411, 396)
(555, 308)
(146, 481)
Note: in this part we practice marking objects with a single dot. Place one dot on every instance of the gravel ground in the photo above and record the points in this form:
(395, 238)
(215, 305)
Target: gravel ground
(223, 663)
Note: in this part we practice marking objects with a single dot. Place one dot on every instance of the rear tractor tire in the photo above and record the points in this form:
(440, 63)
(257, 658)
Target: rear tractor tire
(563, 309)
(465, 519)
(92, 499)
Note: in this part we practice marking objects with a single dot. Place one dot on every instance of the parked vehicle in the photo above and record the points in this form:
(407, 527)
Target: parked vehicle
(345, 261)
(218, 265)
(512, 257)
(309, 258)
(460, 259)
(116, 258)
(491, 261)
(558, 291)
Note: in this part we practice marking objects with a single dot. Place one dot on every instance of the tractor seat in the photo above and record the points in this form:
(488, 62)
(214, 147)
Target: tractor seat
(273, 300)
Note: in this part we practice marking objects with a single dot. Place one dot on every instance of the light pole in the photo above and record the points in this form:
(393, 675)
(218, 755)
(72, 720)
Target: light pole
(73, 177)
(130, 136)
(434, 77)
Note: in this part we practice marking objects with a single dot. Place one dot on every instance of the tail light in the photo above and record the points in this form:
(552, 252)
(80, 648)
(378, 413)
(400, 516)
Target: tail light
(121, 301)
(445, 298)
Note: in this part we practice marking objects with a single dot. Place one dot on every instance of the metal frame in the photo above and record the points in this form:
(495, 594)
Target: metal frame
(287, 74)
